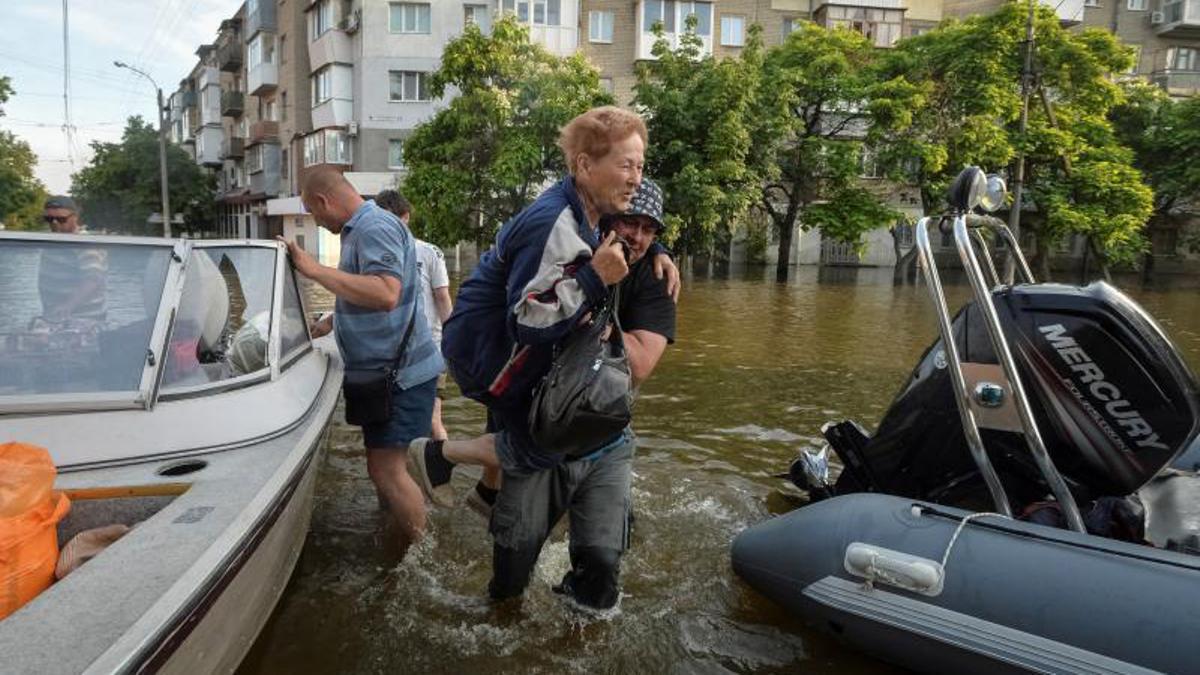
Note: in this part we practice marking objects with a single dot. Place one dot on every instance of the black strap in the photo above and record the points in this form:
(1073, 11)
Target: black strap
(407, 333)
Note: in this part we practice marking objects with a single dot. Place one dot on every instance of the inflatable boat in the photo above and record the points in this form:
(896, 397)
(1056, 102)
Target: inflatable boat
(1029, 502)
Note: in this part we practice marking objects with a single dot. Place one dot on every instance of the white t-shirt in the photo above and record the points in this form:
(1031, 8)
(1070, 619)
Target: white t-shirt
(431, 266)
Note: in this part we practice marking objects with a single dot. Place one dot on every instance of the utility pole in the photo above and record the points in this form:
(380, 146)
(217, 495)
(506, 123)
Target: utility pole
(162, 149)
(1014, 216)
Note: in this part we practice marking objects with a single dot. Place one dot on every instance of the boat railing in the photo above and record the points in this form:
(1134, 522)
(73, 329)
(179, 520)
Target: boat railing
(967, 236)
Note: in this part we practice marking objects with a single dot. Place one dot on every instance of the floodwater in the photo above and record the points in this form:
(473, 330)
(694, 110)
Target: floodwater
(758, 367)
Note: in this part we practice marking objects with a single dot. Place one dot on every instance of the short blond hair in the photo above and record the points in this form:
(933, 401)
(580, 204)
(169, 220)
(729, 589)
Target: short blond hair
(594, 132)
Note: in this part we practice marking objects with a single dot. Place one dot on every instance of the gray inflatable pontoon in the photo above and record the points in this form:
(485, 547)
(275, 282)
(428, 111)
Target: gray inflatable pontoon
(1030, 501)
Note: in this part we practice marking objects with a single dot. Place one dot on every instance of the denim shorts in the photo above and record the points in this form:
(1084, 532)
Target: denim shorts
(412, 415)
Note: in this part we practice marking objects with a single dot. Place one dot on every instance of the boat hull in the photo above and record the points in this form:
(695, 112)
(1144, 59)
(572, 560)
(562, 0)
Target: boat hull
(1015, 597)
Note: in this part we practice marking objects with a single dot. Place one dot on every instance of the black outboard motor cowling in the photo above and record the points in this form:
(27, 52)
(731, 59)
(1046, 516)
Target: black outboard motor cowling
(1114, 402)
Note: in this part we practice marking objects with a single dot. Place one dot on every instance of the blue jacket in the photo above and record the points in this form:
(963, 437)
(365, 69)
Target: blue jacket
(526, 294)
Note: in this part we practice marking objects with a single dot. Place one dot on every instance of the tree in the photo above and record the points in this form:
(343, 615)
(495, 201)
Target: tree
(21, 194)
(818, 88)
(488, 154)
(697, 110)
(1164, 135)
(120, 187)
(1079, 178)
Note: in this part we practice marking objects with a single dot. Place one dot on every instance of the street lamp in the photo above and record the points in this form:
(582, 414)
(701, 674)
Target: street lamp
(162, 148)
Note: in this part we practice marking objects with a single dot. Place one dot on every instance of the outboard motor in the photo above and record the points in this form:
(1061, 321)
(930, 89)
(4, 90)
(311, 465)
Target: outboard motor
(1114, 403)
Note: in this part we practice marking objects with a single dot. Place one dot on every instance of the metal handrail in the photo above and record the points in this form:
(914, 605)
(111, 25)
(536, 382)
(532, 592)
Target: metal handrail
(954, 364)
(1033, 437)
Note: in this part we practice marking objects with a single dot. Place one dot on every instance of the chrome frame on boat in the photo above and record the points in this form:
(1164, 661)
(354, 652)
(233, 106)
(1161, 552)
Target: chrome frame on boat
(963, 232)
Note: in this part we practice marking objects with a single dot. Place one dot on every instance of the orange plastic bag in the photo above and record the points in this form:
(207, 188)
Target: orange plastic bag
(29, 516)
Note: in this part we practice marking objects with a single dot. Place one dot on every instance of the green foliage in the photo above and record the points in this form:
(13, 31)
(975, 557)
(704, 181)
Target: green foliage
(1078, 175)
(120, 188)
(818, 88)
(21, 194)
(1164, 135)
(488, 154)
(698, 111)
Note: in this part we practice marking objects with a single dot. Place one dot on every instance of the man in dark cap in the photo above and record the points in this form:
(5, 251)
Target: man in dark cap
(61, 214)
(594, 489)
(71, 279)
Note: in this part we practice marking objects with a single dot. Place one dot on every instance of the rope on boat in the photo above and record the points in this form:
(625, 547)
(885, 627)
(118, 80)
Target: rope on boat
(958, 530)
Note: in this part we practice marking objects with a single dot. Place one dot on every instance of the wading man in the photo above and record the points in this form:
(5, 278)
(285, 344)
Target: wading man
(377, 295)
(548, 270)
(435, 290)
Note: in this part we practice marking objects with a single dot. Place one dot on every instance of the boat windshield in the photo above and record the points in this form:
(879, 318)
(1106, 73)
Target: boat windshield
(77, 317)
(223, 326)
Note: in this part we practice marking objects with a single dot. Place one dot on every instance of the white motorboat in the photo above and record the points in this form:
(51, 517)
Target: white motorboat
(178, 391)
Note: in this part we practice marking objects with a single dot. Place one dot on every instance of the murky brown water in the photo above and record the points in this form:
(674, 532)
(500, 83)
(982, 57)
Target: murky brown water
(757, 369)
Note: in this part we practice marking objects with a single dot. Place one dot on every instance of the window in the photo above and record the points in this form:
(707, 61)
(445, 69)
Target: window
(791, 26)
(395, 154)
(408, 85)
(293, 329)
(283, 106)
(283, 49)
(1136, 5)
(1137, 58)
(270, 111)
(408, 17)
(199, 353)
(478, 15)
(322, 86)
(606, 83)
(284, 169)
(547, 12)
(327, 146)
(1091, 3)
(600, 27)
(868, 165)
(320, 19)
(733, 31)
(656, 11)
(261, 50)
(1183, 58)
(254, 158)
(703, 12)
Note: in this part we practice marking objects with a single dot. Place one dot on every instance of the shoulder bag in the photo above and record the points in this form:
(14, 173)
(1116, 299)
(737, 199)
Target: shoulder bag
(586, 398)
(368, 391)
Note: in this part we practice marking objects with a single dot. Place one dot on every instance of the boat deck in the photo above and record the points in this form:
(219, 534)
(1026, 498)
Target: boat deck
(121, 602)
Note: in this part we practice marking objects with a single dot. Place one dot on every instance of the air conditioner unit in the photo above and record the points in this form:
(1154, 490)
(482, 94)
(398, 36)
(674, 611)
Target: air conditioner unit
(351, 22)
(1156, 18)
(352, 128)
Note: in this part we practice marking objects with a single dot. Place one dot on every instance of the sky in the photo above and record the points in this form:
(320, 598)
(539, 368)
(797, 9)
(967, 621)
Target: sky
(157, 36)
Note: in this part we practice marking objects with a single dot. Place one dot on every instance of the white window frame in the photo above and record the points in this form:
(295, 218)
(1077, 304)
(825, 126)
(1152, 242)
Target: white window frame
(321, 19)
(410, 24)
(1192, 61)
(600, 27)
(1091, 3)
(1137, 59)
(322, 85)
(328, 146)
(687, 7)
(471, 16)
(422, 86)
(1137, 5)
(728, 22)
(254, 159)
(392, 144)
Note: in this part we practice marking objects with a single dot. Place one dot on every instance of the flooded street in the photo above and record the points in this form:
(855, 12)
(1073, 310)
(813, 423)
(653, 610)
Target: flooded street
(758, 367)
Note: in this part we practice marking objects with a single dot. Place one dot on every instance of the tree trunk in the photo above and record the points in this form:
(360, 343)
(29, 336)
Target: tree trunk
(904, 261)
(785, 251)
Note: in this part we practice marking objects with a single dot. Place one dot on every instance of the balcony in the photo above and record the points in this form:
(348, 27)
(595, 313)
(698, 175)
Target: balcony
(187, 99)
(229, 55)
(1177, 82)
(233, 103)
(1180, 20)
(264, 132)
(1070, 12)
(233, 148)
(208, 146)
(333, 46)
(262, 79)
(336, 112)
(260, 15)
